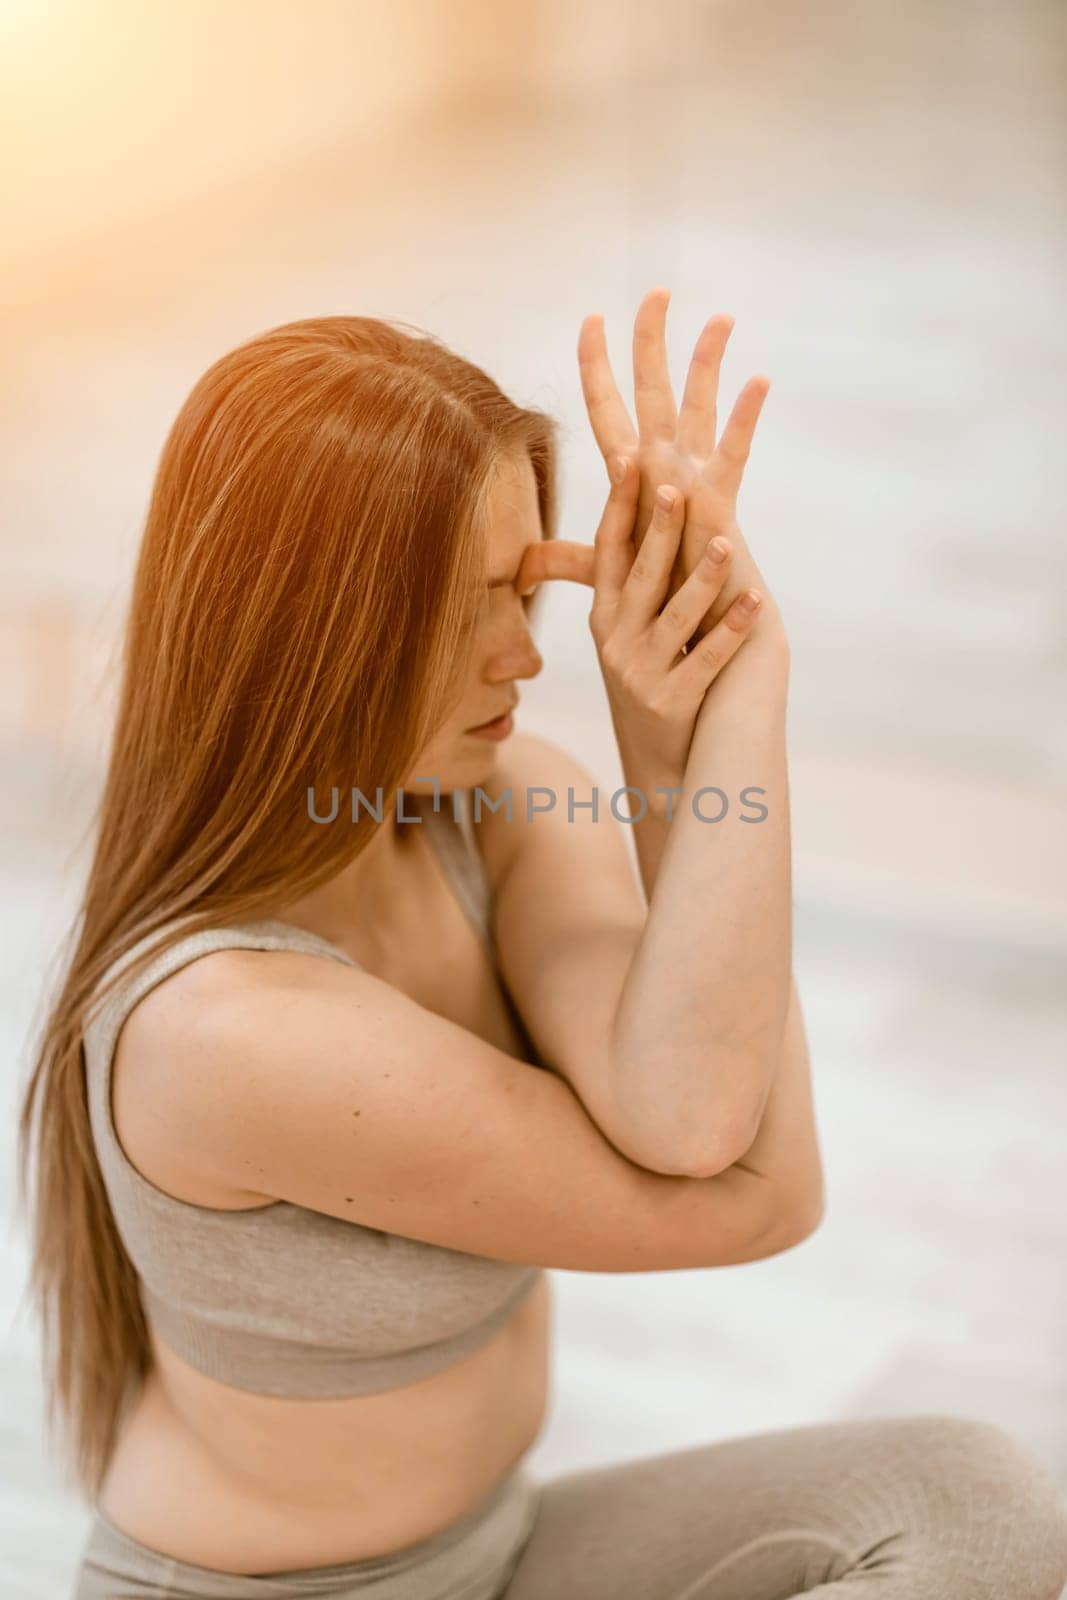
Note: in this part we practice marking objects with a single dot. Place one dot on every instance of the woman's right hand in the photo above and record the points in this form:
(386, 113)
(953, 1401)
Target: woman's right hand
(655, 686)
(681, 446)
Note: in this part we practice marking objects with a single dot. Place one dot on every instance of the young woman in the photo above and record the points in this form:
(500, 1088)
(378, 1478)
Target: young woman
(328, 1086)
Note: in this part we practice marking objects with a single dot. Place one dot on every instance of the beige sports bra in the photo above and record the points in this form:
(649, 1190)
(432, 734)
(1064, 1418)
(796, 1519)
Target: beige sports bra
(281, 1299)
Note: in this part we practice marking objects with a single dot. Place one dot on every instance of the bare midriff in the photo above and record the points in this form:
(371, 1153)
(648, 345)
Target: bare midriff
(251, 1483)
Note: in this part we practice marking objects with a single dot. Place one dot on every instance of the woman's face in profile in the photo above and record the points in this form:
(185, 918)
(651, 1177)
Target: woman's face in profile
(502, 647)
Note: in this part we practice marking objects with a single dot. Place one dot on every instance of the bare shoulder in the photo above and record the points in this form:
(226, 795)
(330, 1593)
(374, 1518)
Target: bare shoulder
(185, 1005)
(166, 1040)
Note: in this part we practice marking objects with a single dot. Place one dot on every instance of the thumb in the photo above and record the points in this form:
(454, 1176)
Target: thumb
(556, 558)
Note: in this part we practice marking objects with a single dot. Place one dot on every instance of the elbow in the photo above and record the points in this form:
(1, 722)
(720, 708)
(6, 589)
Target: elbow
(797, 1219)
(707, 1161)
(803, 1224)
(730, 1134)
(709, 1143)
(732, 1140)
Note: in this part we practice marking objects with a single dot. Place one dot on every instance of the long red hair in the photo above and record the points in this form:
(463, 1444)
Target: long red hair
(312, 559)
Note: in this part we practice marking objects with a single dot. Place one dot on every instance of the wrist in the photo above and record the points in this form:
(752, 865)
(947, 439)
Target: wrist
(649, 798)
(767, 648)
(752, 685)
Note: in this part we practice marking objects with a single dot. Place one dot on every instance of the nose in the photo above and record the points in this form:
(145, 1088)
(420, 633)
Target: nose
(513, 653)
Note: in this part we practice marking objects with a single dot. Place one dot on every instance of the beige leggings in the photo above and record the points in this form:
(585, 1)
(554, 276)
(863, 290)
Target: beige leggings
(911, 1508)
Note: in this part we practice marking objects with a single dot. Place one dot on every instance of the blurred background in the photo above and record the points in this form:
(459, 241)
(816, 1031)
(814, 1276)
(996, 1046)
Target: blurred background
(876, 193)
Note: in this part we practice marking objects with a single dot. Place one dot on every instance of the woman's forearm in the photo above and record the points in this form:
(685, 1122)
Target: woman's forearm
(650, 833)
(702, 1013)
(785, 1151)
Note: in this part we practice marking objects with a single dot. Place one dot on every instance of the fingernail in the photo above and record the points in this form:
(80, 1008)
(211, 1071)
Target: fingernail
(618, 469)
(750, 600)
(717, 550)
(665, 497)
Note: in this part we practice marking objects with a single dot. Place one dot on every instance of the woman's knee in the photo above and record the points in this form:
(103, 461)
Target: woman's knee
(982, 1471)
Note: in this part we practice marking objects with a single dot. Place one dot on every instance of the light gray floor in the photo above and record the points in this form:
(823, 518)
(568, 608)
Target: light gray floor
(875, 194)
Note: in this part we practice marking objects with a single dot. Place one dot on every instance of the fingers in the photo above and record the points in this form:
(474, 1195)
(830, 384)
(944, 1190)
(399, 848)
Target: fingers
(613, 543)
(645, 587)
(729, 463)
(710, 654)
(653, 395)
(686, 609)
(610, 555)
(697, 424)
(608, 416)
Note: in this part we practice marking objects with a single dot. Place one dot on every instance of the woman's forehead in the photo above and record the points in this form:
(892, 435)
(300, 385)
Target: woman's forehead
(514, 517)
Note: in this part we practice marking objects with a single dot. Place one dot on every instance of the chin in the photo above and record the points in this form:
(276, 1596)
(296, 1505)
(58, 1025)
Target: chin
(465, 763)
(474, 758)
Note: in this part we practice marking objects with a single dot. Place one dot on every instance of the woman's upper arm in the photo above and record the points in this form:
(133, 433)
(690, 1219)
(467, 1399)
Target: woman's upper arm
(333, 1090)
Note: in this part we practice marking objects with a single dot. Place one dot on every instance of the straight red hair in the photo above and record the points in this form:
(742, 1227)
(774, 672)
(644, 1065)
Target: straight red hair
(313, 557)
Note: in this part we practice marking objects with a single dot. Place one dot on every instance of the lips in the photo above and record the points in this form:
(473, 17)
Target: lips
(498, 718)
